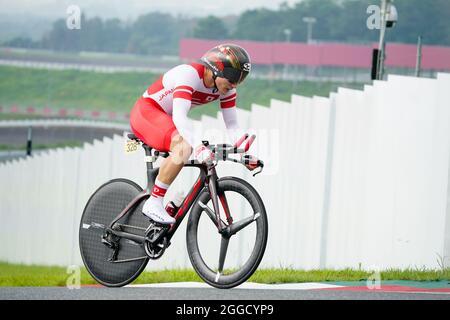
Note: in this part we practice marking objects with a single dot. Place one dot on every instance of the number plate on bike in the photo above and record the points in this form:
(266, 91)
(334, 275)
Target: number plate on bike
(131, 146)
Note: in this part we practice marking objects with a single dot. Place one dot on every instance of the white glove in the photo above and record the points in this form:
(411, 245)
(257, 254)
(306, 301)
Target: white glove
(203, 154)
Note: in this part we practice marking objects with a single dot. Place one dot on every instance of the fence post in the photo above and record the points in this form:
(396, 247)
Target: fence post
(29, 140)
(419, 56)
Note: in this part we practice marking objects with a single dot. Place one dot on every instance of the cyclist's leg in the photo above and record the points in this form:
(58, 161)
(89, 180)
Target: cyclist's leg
(156, 128)
(172, 165)
(152, 125)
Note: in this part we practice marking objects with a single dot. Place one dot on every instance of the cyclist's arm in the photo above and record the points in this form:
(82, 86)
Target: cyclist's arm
(184, 83)
(229, 114)
(231, 123)
(182, 122)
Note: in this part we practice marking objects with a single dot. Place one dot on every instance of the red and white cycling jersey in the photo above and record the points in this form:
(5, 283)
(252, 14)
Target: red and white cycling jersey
(182, 88)
(186, 82)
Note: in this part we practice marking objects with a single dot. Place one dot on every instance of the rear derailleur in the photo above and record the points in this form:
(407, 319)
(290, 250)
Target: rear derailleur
(112, 242)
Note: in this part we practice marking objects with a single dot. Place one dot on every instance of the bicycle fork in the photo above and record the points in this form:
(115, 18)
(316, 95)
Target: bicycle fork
(226, 231)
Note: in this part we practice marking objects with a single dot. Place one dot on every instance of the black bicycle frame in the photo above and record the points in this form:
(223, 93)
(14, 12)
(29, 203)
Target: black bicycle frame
(207, 177)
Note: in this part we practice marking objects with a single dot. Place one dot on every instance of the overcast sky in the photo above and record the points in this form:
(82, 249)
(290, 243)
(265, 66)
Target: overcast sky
(132, 8)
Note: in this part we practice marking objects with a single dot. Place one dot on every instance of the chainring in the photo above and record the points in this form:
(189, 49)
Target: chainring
(155, 250)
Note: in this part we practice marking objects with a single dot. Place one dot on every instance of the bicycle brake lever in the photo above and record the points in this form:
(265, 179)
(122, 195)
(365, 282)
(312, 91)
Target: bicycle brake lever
(261, 169)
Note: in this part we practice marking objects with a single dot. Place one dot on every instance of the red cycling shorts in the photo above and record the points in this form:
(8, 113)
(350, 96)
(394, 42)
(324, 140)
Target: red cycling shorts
(150, 123)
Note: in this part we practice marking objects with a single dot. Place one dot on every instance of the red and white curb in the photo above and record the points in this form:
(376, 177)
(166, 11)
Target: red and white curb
(392, 289)
(293, 286)
(302, 286)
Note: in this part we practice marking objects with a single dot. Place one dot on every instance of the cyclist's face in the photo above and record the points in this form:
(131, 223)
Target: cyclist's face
(224, 85)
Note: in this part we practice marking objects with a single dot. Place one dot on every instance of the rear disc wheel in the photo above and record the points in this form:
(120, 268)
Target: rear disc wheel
(102, 208)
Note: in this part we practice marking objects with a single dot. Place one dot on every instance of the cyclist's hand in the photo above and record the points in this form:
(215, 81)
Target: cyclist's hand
(251, 162)
(203, 154)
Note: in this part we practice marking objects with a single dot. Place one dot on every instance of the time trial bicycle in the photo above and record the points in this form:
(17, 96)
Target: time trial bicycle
(116, 240)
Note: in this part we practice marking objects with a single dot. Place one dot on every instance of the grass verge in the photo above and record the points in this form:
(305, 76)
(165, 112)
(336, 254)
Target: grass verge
(12, 275)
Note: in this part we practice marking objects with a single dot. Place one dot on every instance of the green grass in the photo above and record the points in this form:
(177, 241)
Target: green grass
(119, 91)
(12, 275)
(290, 275)
(18, 116)
(71, 89)
(21, 275)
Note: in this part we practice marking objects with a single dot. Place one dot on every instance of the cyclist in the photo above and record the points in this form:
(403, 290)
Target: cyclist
(159, 117)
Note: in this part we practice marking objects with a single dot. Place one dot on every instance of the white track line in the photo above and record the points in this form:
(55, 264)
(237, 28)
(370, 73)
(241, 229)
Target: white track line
(246, 285)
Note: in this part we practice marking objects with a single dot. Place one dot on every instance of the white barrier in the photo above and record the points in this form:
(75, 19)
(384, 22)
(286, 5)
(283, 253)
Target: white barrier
(359, 180)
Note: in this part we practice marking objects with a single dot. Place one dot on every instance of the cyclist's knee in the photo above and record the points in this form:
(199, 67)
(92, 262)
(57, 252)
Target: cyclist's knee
(180, 148)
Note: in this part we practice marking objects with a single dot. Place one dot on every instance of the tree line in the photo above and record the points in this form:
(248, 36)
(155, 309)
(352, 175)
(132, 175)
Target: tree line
(337, 20)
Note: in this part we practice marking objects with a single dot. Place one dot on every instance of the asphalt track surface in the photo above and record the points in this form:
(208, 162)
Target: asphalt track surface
(204, 293)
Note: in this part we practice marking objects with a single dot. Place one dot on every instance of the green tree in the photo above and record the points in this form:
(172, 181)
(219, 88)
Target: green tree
(210, 27)
(21, 42)
(337, 20)
(352, 24)
(431, 19)
(154, 33)
(115, 36)
(92, 35)
(60, 38)
(260, 24)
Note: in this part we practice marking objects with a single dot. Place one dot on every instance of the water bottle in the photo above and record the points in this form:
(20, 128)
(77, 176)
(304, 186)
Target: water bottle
(173, 205)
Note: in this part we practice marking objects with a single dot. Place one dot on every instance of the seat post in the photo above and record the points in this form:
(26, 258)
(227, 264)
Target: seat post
(148, 154)
(151, 172)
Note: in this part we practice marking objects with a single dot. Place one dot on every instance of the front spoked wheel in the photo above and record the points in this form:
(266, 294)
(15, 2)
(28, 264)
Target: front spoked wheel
(226, 260)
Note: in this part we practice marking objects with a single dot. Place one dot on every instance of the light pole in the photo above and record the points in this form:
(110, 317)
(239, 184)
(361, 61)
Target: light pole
(388, 20)
(287, 33)
(419, 56)
(309, 21)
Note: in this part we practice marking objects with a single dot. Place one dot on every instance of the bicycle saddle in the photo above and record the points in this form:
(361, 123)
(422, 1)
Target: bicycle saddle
(132, 136)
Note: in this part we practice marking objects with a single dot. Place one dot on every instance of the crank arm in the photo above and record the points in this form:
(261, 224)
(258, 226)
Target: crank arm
(161, 234)
(127, 235)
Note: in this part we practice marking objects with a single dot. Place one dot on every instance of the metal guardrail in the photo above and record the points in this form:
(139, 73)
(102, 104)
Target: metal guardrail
(78, 66)
(63, 123)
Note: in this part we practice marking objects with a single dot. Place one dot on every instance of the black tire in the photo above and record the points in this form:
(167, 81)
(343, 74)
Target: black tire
(103, 206)
(204, 264)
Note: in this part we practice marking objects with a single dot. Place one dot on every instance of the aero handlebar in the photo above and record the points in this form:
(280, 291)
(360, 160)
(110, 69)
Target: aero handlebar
(249, 142)
(241, 140)
(221, 151)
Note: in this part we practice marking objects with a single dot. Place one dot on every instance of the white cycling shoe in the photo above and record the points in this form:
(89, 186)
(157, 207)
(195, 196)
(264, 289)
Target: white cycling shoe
(155, 211)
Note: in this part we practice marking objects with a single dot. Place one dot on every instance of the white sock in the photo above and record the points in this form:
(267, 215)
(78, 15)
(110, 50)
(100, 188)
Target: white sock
(158, 192)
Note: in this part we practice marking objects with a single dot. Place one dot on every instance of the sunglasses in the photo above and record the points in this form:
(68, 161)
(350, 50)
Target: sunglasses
(234, 76)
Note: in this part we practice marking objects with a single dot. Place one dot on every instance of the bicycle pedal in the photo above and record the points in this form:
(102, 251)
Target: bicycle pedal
(162, 226)
(154, 224)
